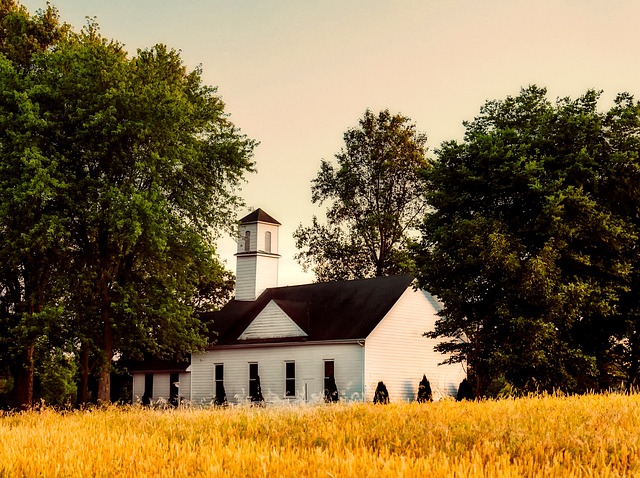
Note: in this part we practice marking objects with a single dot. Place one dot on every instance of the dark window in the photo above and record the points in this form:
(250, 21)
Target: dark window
(254, 380)
(290, 379)
(148, 386)
(328, 373)
(219, 379)
(247, 241)
(267, 241)
(174, 384)
(330, 388)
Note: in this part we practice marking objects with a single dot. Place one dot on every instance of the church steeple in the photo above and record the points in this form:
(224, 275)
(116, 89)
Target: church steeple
(257, 255)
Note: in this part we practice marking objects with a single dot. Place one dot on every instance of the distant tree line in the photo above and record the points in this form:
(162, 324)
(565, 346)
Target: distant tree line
(117, 174)
(527, 230)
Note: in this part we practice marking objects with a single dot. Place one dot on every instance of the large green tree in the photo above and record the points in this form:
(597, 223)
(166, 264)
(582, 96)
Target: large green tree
(24, 35)
(137, 166)
(32, 235)
(523, 245)
(623, 197)
(375, 199)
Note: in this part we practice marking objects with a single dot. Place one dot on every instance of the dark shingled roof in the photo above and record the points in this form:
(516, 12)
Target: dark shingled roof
(258, 216)
(154, 364)
(325, 311)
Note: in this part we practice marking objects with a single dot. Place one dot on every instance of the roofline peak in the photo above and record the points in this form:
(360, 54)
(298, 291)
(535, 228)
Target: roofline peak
(258, 216)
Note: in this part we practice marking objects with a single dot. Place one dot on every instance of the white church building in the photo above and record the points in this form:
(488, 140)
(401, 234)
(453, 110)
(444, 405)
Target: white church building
(290, 344)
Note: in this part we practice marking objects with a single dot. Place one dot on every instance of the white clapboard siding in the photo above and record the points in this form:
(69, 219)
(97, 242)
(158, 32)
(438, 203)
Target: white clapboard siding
(261, 243)
(246, 277)
(272, 322)
(257, 238)
(309, 360)
(161, 386)
(398, 354)
(266, 273)
(254, 274)
(184, 390)
(138, 387)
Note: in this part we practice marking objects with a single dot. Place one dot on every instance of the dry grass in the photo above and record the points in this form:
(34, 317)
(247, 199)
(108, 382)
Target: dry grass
(597, 435)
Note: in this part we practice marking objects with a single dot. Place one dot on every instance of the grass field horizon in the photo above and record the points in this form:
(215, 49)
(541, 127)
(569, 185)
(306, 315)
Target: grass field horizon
(569, 436)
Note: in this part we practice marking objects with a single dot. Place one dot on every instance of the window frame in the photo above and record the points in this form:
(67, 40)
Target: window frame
(148, 385)
(267, 242)
(218, 379)
(326, 362)
(174, 387)
(290, 379)
(253, 380)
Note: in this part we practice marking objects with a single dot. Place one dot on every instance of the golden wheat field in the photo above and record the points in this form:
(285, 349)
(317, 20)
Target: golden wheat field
(594, 435)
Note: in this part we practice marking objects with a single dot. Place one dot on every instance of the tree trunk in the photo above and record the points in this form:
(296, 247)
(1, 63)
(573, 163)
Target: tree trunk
(23, 380)
(83, 388)
(104, 373)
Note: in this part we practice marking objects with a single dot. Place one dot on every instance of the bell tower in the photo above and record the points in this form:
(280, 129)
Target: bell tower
(257, 255)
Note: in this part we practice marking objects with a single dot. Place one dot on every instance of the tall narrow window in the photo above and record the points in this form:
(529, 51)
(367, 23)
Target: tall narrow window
(174, 384)
(220, 397)
(247, 241)
(329, 369)
(148, 388)
(290, 379)
(254, 382)
(330, 387)
(267, 241)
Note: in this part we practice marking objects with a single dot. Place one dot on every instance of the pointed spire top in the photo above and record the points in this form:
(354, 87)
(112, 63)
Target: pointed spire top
(258, 216)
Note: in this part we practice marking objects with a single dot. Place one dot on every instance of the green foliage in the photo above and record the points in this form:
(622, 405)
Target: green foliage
(31, 232)
(374, 198)
(23, 34)
(56, 374)
(525, 243)
(117, 175)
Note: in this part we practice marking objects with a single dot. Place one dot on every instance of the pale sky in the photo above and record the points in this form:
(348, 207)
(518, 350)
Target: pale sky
(295, 75)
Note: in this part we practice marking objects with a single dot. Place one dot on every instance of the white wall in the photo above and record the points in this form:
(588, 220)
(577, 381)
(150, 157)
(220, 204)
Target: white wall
(272, 322)
(161, 386)
(254, 274)
(266, 273)
(185, 385)
(398, 354)
(259, 271)
(309, 361)
(257, 238)
(246, 267)
(138, 387)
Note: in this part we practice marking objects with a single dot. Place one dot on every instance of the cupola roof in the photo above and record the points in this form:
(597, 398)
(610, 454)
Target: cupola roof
(258, 216)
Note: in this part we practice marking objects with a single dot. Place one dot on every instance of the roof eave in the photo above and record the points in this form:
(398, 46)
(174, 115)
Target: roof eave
(291, 343)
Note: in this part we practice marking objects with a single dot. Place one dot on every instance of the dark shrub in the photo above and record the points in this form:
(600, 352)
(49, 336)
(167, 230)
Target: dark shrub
(331, 392)
(257, 399)
(465, 391)
(221, 397)
(424, 390)
(381, 395)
